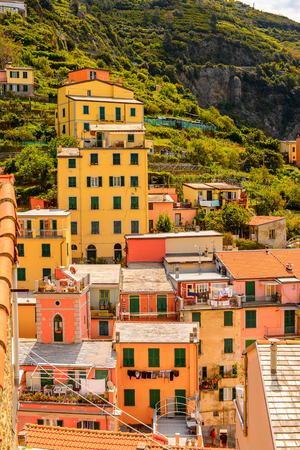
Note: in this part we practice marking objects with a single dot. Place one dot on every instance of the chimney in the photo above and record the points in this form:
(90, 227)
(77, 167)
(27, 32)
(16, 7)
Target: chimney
(191, 337)
(59, 148)
(195, 331)
(22, 438)
(141, 446)
(274, 342)
(117, 336)
(267, 250)
(289, 267)
(177, 272)
(164, 197)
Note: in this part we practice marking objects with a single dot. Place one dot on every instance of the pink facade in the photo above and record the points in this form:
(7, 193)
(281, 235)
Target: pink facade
(146, 250)
(287, 293)
(95, 327)
(184, 288)
(148, 307)
(162, 190)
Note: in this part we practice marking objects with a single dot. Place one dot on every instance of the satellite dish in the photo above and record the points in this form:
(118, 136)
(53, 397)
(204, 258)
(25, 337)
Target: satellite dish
(72, 270)
(110, 385)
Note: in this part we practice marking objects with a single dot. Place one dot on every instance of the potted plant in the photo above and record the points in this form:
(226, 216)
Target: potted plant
(41, 288)
(193, 442)
(187, 442)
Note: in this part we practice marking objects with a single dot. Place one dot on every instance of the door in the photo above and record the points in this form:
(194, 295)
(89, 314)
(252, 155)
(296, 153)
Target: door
(91, 252)
(99, 140)
(42, 231)
(58, 329)
(162, 305)
(289, 322)
(134, 305)
(250, 291)
(54, 223)
(270, 291)
(177, 219)
(209, 196)
(180, 402)
(154, 396)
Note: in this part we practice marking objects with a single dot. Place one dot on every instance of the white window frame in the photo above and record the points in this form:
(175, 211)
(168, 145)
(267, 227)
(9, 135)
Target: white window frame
(201, 287)
(14, 88)
(112, 159)
(233, 195)
(131, 134)
(113, 202)
(189, 287)
(50, 422)
(136, 176)
(227, 394)
(115, 179)
(219, 285)
(88, 421)
(14, 74)
(227, 369)
(94, 182)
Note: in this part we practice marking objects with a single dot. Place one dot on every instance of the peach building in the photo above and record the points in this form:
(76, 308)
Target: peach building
(268, 283)
(267, 409)
(157, 370)
(147, 294)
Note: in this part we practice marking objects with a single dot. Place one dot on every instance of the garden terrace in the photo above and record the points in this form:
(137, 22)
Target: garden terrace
(65, 285)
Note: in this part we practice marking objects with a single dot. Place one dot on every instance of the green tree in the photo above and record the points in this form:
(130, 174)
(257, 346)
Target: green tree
(235, 218)
(214, 221)
(9, 50)
(269, 202)
(164, 223)
(34, 167)
(200, 216)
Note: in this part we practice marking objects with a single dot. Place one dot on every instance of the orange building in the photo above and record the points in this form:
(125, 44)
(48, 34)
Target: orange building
(156, 362)
(88, 73)
(146, 294)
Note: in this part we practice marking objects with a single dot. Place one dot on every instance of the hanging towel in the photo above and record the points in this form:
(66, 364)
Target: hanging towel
(176, 373)
(137, 375)
(160, 374)
(144, 374)
(148, 374)
(153, 375)
(171, 375)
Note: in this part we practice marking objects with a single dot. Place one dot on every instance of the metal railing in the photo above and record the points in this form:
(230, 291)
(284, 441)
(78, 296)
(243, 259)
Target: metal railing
(279, 331)
(47, 234)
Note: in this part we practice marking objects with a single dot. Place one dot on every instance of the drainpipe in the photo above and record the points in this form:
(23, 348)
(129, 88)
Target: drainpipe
(245, 395)
(15, 327)
(61, 253)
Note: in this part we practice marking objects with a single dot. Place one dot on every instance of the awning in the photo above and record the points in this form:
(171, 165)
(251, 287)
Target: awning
(270, 282)
(121, 127)
(289, 308)
(290, 280)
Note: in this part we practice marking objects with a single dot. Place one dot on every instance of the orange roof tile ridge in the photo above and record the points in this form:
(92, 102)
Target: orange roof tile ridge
(8, 199)
(279, 260)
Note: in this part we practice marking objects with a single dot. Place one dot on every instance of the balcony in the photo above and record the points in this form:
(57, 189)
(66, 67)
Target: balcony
(274, 298)
(196, 303)
(280, 331)
(209, 203)
(92, 143)
(65, 285)
(46, 234)
(181, 205)
(49, 397)
(208, 384)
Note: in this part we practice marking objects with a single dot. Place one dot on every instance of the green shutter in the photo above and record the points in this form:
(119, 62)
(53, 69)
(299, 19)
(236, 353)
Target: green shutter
(47, 377)
(100, 181)
(233, 393)
(18, 87)
(94, 202)
(222, 371)
(10, 74)
(154, 397)
(180, 360)
(134, 301)
(221, 395)
(29, 225)
(60, 423)
(54, 225)
(250, 319)
(250, 291)
(41, 225)
(117, 202)
(111, 181)
(102, 112)
(204, 372)
(228, 345)
(199, 347)
(153, 357)
(196, 317)
(129, 397)
(18, 75)
(88, 181)
(96, 425)
(71, 377)
(40, 422)
(122, 181)
(79, 425)
(101, 375)
(228, 319)
(20, 248)
(128, 357)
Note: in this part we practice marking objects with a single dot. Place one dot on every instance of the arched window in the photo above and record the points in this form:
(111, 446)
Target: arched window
(74, 247)
(91, 252)
(58, 328)
(117, 252)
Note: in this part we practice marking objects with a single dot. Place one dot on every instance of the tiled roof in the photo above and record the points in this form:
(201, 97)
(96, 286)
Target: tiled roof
(283, 392)
(262, 220)
(259, 264)
(8, 255)
(60, 438)
(88, 353)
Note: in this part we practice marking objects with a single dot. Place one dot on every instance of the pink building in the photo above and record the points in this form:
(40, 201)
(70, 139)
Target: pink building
(67, 379)
(162, 203)
(268, 284)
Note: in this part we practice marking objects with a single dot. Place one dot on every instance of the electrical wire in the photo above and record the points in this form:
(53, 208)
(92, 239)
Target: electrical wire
(98, 407)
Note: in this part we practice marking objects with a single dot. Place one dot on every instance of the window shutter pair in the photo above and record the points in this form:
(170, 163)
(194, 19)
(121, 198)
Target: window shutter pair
(88, 181)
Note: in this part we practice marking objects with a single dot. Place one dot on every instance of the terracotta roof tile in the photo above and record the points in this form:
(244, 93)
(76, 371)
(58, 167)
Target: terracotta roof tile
(8, 225)
(261, 220)
(258, 264)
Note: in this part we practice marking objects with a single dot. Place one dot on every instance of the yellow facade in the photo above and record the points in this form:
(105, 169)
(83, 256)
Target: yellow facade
(210, 196)
(19, 75)
(109, 200)
(45, 242)
(86, 103)
(212, 335)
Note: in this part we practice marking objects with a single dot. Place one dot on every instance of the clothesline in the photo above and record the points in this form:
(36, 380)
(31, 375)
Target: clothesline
(169, 374)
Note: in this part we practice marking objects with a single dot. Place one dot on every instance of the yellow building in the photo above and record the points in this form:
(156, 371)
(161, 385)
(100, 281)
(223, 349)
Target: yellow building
(212, 196)
(19, 80)
(45, 242)
(105, 181)
(219, 351)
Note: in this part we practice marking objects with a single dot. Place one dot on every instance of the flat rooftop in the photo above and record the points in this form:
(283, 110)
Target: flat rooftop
(147, 332)
(209, 186)
(69, 152)
(181, 259)
(145, 281)
(87, 354)
(160, 198)
(45, 212)
(104, 274)
(188, 234)
(214, 277)
(104, 99)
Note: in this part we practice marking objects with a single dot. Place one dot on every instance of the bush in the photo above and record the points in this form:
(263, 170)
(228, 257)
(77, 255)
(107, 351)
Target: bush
(244, 244)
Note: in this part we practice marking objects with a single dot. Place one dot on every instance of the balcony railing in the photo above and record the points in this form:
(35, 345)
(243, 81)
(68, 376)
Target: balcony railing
(177, 205)
(66, 285)
(47, 234)
(92, 143)
(263, 298)
(280, 331)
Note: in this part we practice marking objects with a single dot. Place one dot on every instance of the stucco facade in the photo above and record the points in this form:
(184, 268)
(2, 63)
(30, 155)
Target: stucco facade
(271, 233)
